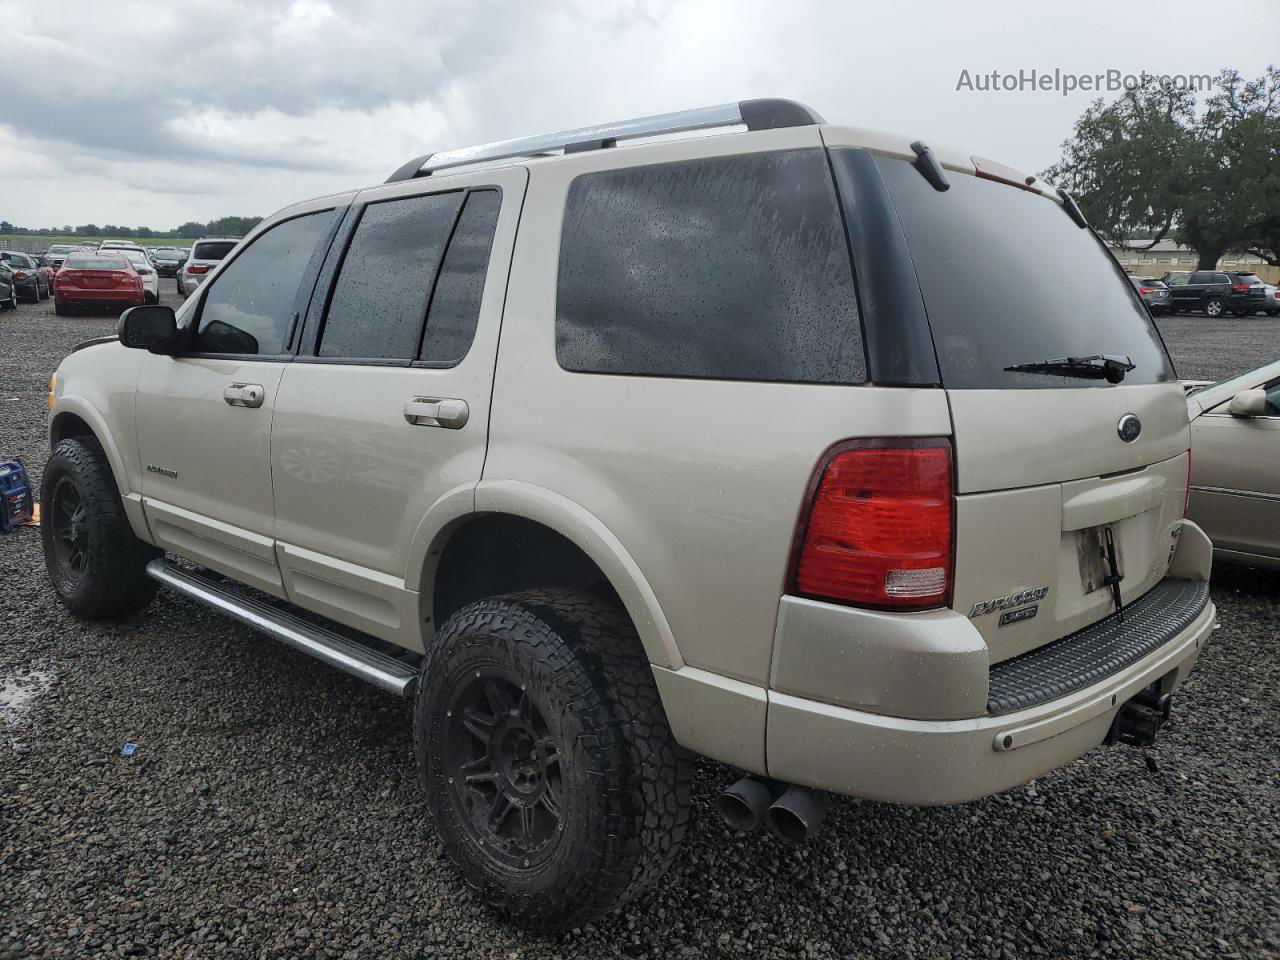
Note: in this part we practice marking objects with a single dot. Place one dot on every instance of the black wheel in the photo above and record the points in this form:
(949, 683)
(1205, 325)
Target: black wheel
(1214, 307)
(95, 562)
(548, 764)
(45, 294)
(61, 309)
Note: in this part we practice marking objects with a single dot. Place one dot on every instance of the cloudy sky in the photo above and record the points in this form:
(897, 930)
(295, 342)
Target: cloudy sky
(153, 113)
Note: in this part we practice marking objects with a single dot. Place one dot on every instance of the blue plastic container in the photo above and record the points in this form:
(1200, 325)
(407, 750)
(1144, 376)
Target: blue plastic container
(16, 503)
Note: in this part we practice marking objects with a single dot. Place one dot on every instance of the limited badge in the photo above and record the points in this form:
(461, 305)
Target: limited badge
(1017, 616)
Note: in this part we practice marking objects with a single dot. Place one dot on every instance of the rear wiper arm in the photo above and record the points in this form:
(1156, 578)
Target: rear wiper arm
(1109, 367)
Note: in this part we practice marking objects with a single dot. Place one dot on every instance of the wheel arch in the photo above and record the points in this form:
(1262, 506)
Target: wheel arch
(520, 536)
(73, 417)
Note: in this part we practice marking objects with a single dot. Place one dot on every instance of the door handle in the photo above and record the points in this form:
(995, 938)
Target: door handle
(436, 412)
(244, 394)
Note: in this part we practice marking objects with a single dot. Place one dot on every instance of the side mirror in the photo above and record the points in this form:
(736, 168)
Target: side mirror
(148, 328)
(1249, 403)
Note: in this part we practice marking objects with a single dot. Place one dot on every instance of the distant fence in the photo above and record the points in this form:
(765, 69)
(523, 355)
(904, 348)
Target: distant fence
(29, 244)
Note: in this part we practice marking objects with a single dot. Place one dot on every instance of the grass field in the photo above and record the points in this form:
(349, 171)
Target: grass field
(33, 243)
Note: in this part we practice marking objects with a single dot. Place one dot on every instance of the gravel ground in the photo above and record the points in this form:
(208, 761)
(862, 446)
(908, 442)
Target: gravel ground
(271, 808)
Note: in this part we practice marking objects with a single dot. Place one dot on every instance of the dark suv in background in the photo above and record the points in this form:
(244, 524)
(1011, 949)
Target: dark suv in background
(1214, 292)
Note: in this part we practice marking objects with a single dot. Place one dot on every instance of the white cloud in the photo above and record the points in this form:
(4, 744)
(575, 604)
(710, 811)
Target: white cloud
(138, 112)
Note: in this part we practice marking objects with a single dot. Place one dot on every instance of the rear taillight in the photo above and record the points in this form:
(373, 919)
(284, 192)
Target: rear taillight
(197, 268)
(1240, 287)
(20, 275)
(1146, 290)
(877, 525)
(1277, 294)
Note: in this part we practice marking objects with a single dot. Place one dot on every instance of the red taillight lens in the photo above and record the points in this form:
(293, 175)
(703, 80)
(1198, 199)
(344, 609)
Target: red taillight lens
(1277, 294)
(1240, 287)
(878, 531)
(197, 268)
(1145, 290)
(20, 275)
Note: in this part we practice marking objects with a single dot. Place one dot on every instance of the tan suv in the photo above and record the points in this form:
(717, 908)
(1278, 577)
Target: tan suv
(617, 446)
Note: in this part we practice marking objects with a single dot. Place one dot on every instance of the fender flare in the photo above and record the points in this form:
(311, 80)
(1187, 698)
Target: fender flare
(566, 517)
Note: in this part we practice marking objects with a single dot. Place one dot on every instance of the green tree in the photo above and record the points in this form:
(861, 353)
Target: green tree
(1148, 165)
(191, 230)
(88, 230)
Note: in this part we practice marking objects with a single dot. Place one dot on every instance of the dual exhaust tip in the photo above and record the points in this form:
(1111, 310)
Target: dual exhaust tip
(792, 813)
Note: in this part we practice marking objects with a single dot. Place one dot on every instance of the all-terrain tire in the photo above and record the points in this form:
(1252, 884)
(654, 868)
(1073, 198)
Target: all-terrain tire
(623, 783)
(112, 579)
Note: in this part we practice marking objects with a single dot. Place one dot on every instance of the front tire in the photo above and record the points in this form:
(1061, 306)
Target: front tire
(95, 562)
(549, 767)
(1214, 308)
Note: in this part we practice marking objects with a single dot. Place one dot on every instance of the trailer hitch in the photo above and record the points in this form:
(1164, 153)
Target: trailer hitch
(1140, 718)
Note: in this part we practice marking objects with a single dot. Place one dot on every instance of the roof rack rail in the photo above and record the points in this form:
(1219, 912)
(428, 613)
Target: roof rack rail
(753, 114)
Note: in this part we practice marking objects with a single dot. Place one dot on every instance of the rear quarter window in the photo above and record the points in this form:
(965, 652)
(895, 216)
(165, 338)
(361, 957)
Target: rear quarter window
(213, 251)
(731, 268)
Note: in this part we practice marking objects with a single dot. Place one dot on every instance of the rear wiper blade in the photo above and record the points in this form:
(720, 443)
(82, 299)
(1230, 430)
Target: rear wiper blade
(1109, 367)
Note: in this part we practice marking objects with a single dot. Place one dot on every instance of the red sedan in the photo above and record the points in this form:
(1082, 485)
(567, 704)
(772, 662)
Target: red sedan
(96, 280)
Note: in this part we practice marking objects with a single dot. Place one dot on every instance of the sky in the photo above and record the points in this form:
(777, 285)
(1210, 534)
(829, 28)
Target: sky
(156, 113)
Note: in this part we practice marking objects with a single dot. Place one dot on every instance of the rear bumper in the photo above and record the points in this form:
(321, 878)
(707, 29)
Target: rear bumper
(953, 761)
(86, 297)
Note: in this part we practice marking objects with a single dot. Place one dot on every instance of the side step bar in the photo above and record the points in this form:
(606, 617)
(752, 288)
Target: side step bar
(368, 664)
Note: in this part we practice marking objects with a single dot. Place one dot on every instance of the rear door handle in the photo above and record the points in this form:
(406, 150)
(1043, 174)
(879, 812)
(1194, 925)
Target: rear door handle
(437, 412)
(244, 394)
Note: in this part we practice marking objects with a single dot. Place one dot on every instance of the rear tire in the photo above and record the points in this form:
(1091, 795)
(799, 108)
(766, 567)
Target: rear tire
(61, 309)
(95, 562)
(549, 767)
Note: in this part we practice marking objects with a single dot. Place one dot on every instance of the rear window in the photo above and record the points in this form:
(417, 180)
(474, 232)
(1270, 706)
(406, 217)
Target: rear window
(94, 263)
(214, 250)
(732, 268)
(1008, 278)
(19, 260)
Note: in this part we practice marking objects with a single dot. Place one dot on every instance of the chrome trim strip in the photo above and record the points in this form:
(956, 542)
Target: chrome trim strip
(1232, 492)
(366, 664)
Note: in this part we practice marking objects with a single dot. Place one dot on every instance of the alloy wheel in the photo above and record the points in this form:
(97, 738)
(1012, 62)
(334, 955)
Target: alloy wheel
(70, 522)
(503, 767)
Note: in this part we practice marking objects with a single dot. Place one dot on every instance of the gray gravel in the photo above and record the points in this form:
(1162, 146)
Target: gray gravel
(271, 808)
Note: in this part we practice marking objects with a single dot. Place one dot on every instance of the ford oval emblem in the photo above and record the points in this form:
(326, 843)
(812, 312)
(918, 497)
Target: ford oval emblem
(1129, 428)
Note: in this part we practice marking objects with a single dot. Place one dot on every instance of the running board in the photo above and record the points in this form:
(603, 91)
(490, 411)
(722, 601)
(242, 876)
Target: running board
(351, 657)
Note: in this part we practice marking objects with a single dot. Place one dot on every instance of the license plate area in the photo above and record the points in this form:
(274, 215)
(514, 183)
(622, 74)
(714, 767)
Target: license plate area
(1091, 553)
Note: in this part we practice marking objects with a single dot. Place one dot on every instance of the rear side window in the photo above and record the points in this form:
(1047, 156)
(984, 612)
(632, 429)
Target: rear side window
(979, 251)
(731, 268)
(249, 306)
(215, 250)
(455, 304)
(380, 296)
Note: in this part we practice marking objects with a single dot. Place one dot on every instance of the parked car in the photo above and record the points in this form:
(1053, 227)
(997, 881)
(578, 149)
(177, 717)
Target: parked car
(119, 245)
(168, 260)
(1153, 292)
(57, 253)
(147, 271)
(101, 280)
(1271, 299)
(1235, 465)
(922, 564)
(8, 292)
(1215, 292)
(205, 256)
(29, 279)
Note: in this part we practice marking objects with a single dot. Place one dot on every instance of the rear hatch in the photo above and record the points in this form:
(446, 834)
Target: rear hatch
(1053, 474)
(94, 274)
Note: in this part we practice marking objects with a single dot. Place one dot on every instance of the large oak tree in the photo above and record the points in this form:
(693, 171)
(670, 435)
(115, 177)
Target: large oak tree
(1154, 164)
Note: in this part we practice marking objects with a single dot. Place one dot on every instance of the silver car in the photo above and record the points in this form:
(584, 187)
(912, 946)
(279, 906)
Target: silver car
(206, 254)
(1235, 464)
